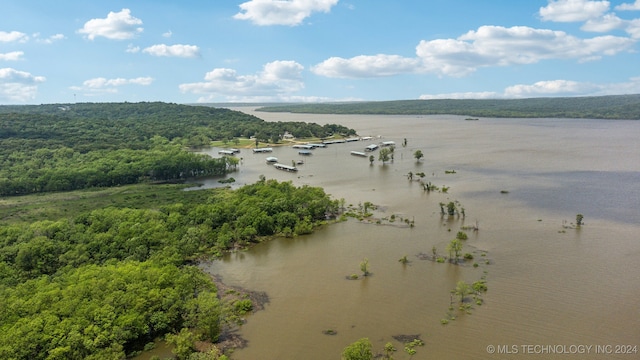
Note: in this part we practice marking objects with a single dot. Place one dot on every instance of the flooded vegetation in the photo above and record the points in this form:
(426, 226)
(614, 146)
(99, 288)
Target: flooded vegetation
(509, 266)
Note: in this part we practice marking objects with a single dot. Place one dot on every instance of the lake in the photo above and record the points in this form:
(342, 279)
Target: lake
(551, 286)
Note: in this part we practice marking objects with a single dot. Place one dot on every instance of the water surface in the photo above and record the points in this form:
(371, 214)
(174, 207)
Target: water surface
(547, 284)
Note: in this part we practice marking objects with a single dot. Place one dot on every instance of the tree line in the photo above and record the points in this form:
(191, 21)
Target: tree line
(62, 147)
(105, 282)
(594, 107)
(91, 126)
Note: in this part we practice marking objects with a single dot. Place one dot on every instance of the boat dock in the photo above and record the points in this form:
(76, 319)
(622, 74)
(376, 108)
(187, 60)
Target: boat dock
(285, 167)
(262, 150)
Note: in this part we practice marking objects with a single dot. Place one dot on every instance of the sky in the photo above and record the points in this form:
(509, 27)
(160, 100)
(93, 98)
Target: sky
(190, 51)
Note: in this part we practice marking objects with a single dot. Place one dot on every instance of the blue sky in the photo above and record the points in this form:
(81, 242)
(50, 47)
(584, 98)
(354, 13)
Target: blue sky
(68, 51)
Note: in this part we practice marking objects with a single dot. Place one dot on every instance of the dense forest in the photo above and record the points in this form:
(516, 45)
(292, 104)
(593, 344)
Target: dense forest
(597, 107)
(63, 147)
(104, 282)
(106, 267)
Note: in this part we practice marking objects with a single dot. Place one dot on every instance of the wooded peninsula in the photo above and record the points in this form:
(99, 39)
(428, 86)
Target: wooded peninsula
(624, 107)
(99, 242)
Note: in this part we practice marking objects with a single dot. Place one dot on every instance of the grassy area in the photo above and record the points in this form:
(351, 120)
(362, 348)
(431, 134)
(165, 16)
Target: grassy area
(53, 206)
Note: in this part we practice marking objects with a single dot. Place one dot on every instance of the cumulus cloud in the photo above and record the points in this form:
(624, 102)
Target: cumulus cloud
(573, 10)
(102, 85)
(366, 66)
(50, 40)
(277, 80)
(629, 7)
(18, 86)
(553, 87)
(549, 88)
(605, 23)
(281, 12)
(485, 47)
(132, 49)
(178, 50)
(11, 56)
(116, 26)
(13, 36)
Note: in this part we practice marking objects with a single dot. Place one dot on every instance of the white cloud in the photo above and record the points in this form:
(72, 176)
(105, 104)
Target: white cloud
(277, 80)
(553, 87)
(281, 12)
(366, 66)
(485, 47)
(11, 56)
(101, 85)
(18, 86)
(633, 28)
(168, 34)
(549, 88)
(13, 36)
(116, 26)
(573, 10)
(133, 49)
(629, 7)
(605, 23)
(50, 40)
(178, 50)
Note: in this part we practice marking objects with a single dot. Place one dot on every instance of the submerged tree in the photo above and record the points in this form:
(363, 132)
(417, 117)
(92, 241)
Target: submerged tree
(359, 350)
(579, 219)
(418, 155)
(462, 290)
(451, 208)
(455, 249)
(364, 267)
(384, 155)
(371, 159)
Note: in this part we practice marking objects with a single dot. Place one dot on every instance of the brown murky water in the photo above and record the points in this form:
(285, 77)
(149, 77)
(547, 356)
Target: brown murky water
(575, 292)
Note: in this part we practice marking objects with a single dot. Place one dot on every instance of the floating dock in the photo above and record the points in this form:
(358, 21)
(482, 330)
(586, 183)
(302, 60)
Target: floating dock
(285, 167)
(262, 150)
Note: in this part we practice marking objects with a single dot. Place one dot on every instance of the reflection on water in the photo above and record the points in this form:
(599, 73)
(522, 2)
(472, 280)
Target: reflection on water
(547, 284)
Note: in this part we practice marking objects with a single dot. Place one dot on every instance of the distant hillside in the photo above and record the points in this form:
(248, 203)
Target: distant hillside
(597, 107)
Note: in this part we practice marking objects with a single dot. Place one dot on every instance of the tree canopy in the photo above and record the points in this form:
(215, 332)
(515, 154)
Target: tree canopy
(594, 107)
(62, 147)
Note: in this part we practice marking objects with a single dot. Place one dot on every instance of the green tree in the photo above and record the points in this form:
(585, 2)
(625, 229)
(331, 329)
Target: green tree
(364, 267)
(384, 155)
(389, 349)
(579, 219)
(418, 155)
(371, 159)
(183, 343)
(454, 248)
(451, 208)
(359, 350)
(462, 290)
